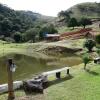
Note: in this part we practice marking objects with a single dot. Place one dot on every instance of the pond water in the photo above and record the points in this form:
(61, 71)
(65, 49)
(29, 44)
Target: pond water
(28, 66)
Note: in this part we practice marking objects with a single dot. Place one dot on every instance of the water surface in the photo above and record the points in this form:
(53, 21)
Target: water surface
(28, 66)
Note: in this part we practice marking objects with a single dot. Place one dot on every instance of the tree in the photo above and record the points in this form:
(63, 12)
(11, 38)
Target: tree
(31, 34)
(51, 29)
(85, 21)
(97, 38)
(17, 37)
(89, 44)
(65, 15)
(72, 22)
(86, 60)
(6, 26)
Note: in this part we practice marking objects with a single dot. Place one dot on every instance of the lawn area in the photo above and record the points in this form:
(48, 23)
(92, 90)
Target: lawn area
(85, 85)
(82, 85)
(22, 48)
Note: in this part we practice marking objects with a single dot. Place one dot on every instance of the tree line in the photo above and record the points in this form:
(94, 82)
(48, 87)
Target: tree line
(22, 26)
(72, 21)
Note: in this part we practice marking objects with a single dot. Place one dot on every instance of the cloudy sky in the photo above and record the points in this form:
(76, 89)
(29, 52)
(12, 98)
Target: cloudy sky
(45, 7)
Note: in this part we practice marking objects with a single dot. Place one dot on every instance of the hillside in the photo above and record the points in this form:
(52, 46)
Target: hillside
(12, 20)
(88, 9)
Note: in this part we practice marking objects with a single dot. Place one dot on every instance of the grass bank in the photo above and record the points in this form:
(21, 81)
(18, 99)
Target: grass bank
(27, 48)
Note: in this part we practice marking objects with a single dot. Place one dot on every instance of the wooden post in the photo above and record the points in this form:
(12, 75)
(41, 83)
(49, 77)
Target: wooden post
(68, 71)
(11, 95)
(58, 75)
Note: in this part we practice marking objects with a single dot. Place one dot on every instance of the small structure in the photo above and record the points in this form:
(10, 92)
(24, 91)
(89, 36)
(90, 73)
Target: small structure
(57, 72)
(97, 60)
(52, 37)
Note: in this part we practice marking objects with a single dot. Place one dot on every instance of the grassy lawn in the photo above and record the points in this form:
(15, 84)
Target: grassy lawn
(22, 48)
(82, 85)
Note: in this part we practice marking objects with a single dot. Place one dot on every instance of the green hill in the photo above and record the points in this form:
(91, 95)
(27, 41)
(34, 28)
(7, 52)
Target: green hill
(88, 9)
(20, 21)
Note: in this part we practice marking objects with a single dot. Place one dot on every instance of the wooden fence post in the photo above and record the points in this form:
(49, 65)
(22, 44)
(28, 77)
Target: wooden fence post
(68, 71)
(11, 95)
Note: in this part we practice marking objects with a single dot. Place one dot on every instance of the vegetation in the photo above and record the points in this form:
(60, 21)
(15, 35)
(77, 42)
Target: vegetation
(30, 35)
(87, 10)
(64, 15)
(89, 44)
(17, 37)
(12, 21)
(20, 26)
(50, 29)
(86, 60)
(82, 85)
(72, 22)
(98, 38)
(85, 21)
(98, 52)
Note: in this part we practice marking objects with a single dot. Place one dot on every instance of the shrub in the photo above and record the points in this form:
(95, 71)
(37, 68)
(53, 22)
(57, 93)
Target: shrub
(85, 59)
(89, 44)
(97, 38)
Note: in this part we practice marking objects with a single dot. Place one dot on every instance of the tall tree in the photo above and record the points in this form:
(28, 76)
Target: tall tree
(85, 21)
(72, 22)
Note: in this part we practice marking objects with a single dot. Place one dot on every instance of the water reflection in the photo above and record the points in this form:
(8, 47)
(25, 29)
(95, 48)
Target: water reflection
(28, 66)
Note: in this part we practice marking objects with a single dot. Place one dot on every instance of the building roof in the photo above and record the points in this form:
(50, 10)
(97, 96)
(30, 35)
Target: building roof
(52, 35)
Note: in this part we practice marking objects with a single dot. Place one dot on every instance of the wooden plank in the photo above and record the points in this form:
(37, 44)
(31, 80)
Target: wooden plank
(55, 71)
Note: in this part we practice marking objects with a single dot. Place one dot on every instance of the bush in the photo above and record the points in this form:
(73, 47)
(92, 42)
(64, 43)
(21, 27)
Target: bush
(86, 60)
(97, 38)
(98, 51)
(17, 37)
(31, 34)
(89, 44)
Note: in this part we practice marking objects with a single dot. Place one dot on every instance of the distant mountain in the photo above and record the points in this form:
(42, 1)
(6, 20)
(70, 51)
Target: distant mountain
(12, 20)
(88, 9)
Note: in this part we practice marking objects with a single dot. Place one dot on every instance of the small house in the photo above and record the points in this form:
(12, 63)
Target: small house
(52, 37)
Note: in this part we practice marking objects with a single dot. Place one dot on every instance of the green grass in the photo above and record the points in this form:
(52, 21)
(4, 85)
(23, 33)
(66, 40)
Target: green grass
(66, 29)
(22, 48)
(83, 85)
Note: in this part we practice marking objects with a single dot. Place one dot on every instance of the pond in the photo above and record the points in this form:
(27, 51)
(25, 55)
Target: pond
(28, 66)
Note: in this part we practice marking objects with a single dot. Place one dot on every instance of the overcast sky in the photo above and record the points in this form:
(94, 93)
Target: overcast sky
(45, 7)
